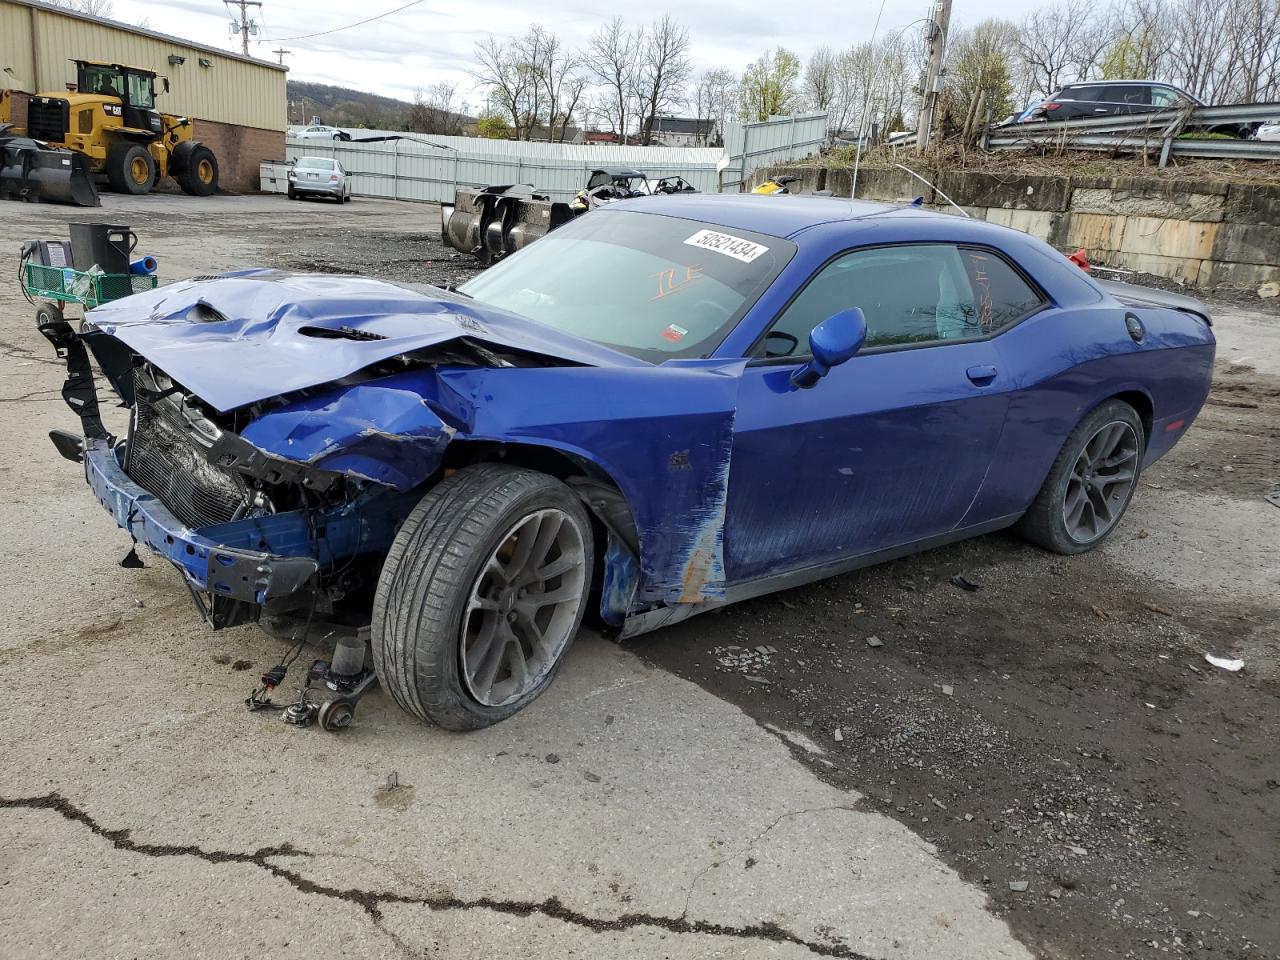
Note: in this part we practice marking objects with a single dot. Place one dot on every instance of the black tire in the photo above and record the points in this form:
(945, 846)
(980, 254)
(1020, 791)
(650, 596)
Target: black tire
(1044, 523)
(131, 169)
(427, 579)
(47, 313)
(199, 175)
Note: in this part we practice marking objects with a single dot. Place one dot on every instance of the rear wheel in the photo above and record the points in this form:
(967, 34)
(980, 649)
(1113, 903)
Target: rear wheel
(130, 169)
(481, 594)
(199, 177)
(1091, 483)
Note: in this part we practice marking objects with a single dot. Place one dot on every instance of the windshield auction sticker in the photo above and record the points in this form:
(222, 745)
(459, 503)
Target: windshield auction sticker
(730, 246)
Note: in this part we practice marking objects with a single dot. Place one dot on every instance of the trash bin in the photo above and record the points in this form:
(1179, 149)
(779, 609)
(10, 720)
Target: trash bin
(103, 245)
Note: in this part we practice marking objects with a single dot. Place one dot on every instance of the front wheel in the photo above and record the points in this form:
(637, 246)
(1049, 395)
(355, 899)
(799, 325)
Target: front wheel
(199, 177)
(481, 595)
(130, 169)
(1090, 483)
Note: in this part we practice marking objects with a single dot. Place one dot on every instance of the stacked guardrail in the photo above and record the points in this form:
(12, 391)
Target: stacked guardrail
(1159, 131)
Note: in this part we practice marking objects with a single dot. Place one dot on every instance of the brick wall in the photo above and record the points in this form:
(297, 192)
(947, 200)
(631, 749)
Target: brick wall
(18, 108)
(239, 151)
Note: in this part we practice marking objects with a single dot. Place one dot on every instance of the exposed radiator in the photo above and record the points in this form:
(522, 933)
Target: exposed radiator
(165, 460)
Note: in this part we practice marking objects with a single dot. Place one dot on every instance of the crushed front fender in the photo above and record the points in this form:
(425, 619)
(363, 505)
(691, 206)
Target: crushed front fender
(383, 431)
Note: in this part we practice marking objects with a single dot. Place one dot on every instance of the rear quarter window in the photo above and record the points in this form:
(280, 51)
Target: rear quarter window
(1000, 294)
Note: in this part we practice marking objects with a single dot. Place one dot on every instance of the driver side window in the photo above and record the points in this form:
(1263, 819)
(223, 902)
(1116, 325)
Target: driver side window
(910, 294)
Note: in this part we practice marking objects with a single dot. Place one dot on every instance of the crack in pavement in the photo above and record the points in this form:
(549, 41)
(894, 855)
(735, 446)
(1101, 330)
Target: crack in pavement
(34, 397)
(372, 901)
(750, 845)
(15, 352)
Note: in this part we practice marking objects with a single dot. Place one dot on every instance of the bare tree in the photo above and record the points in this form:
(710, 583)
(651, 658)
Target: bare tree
(824, 88)
(611, 59)
(1252, 47)
(875, 81)
(98, 9)
(663, 72)
(1139, 48)
(1055, 49)
(437, 110)
(715, 95)
(500, 69)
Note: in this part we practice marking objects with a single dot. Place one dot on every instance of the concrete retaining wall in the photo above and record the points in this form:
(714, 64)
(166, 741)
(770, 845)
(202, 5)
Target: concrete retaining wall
(1204, 234)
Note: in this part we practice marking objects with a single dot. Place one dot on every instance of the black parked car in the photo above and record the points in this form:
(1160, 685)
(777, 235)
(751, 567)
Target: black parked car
(1107, 98)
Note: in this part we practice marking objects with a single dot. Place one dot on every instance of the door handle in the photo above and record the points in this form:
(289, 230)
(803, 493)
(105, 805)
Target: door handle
(982, 374)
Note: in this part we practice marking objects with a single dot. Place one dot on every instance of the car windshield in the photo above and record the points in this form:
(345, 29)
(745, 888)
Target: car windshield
(651, 286)
(315, 163)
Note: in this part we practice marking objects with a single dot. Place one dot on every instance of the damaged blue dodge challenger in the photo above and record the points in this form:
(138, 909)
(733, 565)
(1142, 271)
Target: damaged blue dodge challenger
(661, 407)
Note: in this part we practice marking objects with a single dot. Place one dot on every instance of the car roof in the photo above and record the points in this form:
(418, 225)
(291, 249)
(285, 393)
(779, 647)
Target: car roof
(1121, 83)
(776, 216)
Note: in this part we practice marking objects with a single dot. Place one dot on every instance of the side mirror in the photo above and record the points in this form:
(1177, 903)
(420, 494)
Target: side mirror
(164, 82)
(831, 343)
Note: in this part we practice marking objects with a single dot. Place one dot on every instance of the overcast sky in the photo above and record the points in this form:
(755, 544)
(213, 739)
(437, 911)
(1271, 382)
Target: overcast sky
(435, 39)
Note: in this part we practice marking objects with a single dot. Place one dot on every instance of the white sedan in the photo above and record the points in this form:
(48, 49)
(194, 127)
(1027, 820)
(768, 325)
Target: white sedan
(1269, 131)
(322, 132)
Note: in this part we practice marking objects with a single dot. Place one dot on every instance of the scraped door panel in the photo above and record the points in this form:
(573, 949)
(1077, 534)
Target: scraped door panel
(887, 449)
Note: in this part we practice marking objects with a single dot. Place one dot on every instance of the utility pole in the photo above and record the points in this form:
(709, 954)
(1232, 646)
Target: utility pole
(938, 27)
(245, 24)
(281, 52)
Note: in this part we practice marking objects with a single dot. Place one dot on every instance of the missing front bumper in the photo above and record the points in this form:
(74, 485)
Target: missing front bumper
(217, 567)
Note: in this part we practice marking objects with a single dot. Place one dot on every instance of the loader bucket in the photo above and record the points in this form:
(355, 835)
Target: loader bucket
(494, 221)
(33, 170)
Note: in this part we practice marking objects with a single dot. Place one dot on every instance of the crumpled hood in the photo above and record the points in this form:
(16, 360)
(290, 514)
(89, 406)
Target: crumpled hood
(247, 336)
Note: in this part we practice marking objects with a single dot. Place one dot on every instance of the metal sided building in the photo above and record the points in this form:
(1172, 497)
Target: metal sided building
(237, 103)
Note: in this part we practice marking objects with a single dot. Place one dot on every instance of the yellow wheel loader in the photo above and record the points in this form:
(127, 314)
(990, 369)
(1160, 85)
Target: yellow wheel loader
(109, 120)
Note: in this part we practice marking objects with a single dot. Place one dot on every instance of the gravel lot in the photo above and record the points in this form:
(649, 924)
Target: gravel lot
(883, 765)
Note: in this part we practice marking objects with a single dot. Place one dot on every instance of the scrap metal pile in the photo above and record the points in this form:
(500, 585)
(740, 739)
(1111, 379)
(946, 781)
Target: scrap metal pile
(491, 222)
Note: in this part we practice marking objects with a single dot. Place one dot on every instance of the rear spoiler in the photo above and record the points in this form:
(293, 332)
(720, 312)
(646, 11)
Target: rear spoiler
(1138, 296)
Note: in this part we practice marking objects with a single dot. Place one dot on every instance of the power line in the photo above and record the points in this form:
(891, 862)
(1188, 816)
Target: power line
(322, 33)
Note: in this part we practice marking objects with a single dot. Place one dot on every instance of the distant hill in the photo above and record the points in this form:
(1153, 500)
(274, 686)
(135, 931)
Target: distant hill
(344, 107)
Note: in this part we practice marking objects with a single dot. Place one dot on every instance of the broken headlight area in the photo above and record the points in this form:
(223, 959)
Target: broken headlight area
(194, 462)
(167, 453)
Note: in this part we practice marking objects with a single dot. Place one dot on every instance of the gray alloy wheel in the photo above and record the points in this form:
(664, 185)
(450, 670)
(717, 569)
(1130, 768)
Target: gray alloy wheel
(523, 608)
(1090, 483)
(1101, 482)
(481, 595)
